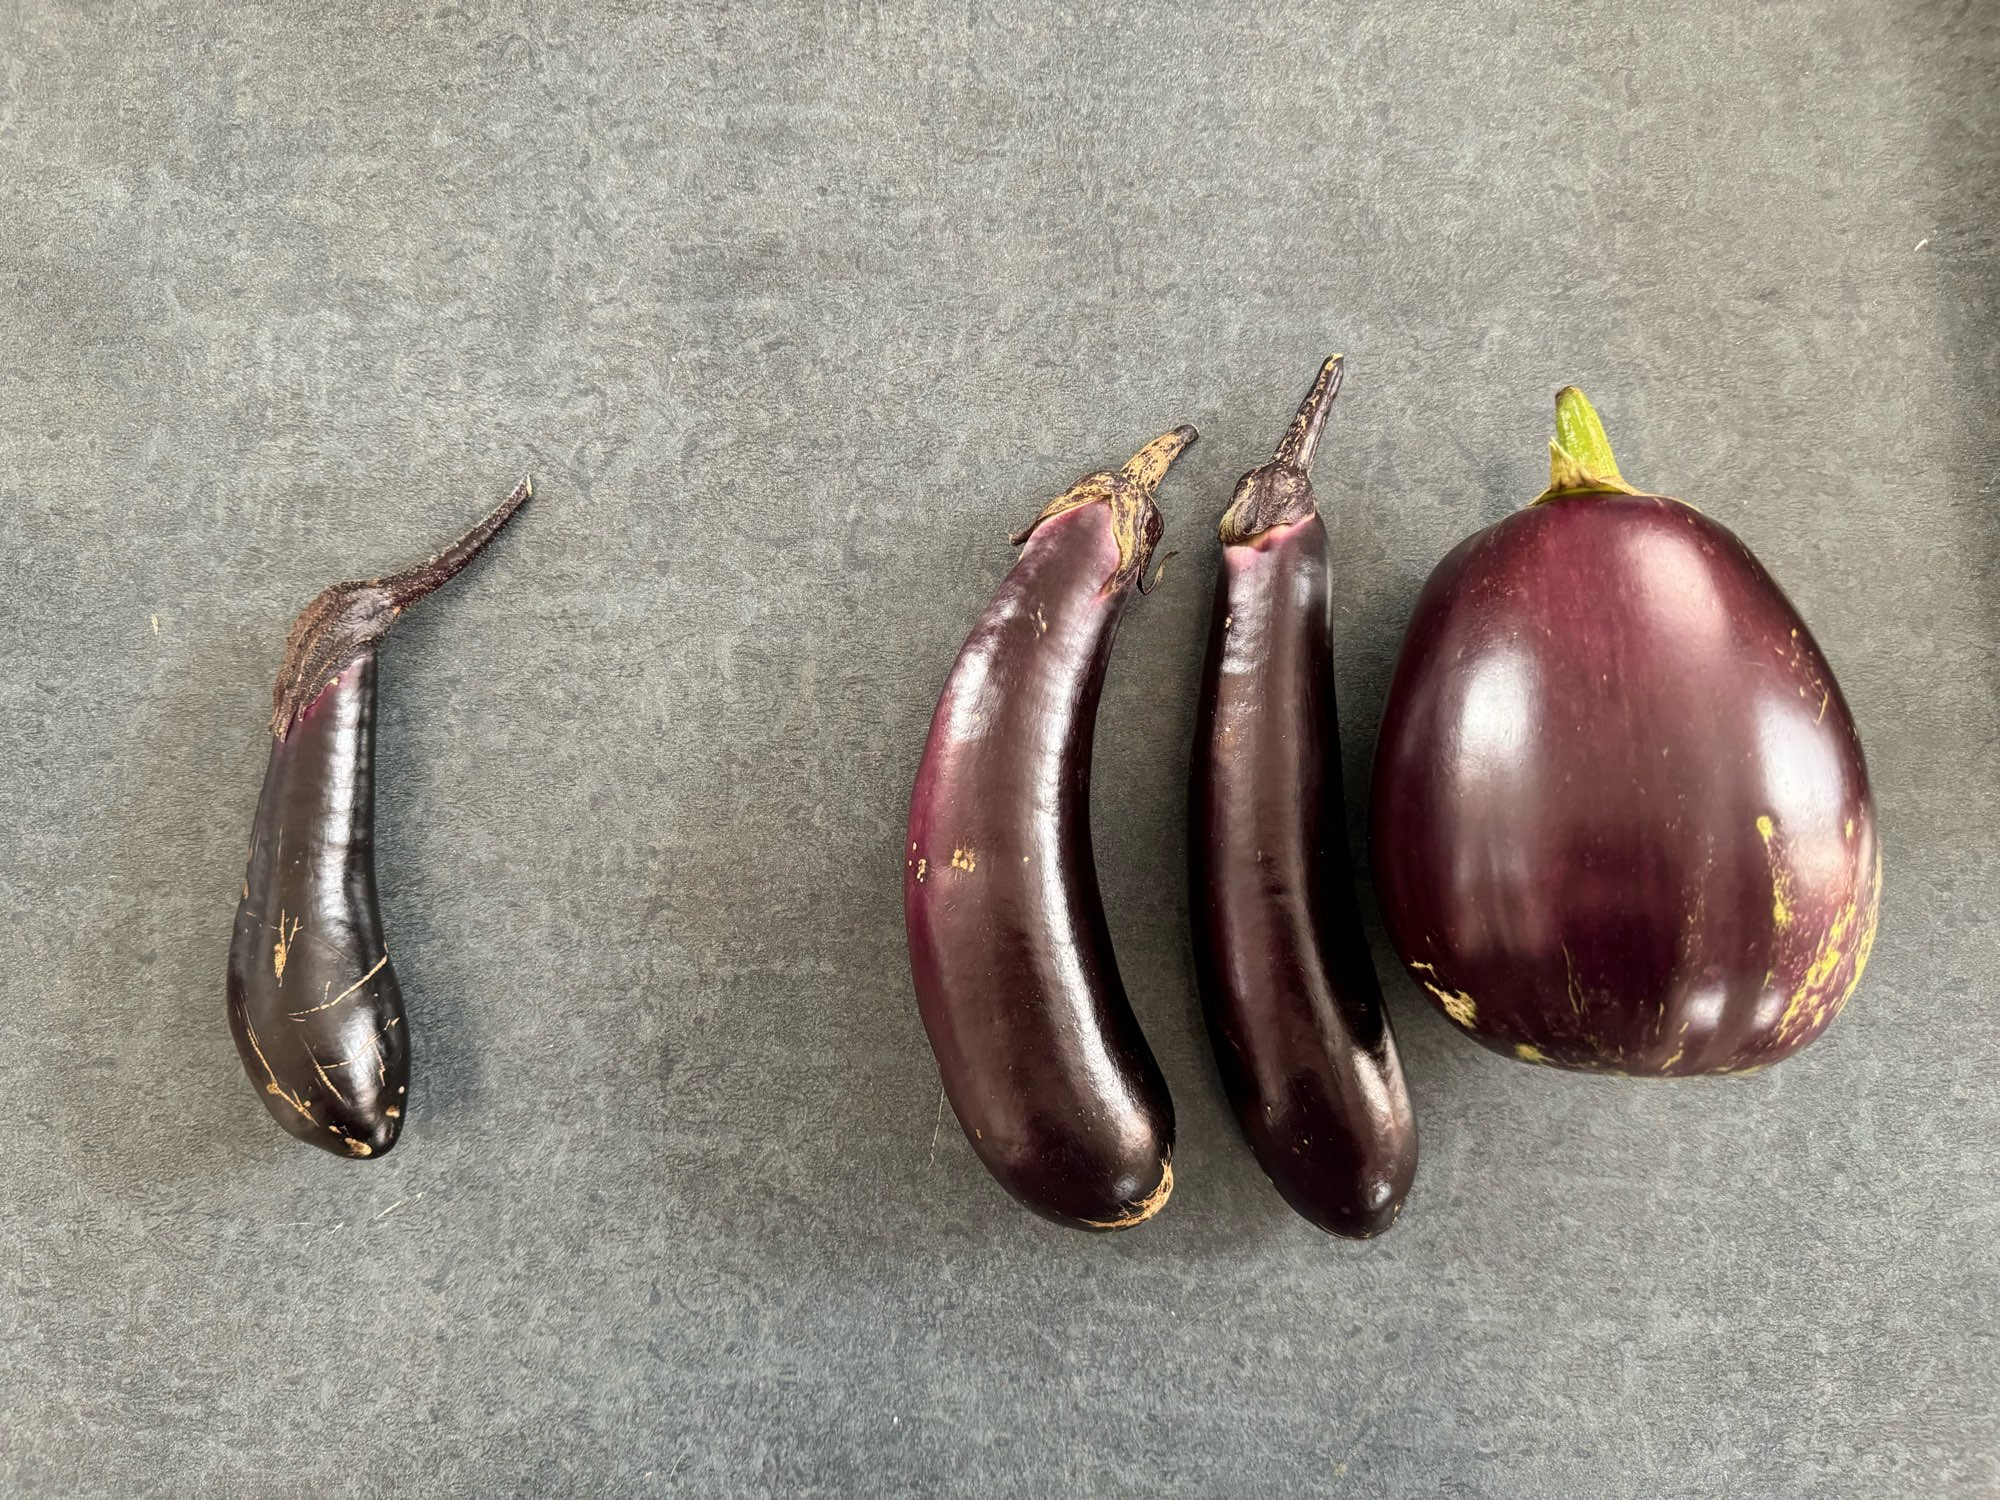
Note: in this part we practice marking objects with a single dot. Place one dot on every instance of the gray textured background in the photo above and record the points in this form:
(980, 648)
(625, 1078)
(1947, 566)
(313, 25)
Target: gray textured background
(793, 315)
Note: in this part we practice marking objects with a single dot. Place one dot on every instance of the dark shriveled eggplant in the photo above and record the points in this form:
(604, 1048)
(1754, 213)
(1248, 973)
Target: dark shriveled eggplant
(1293, 1005)
(1622, 821)
(1036, 1044)
(313, 1001)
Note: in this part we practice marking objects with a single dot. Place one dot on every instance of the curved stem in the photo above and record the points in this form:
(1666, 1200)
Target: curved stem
(1146, 468)
(344, 621)
(410, 585)
(1300, 444)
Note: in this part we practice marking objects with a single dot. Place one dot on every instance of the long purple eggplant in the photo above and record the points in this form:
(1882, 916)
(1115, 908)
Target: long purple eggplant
(1036, 1043)
(1293, 1005)
(313, 1000)
(1622, 819)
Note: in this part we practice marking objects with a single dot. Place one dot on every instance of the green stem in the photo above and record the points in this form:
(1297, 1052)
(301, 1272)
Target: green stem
(1580, 457)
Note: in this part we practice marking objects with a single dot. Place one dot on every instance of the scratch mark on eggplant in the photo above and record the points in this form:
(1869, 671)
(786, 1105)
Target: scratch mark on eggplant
(332, 1087)
(282, 949)
(300, 1015)
(274, 1087)
(1577, 1001)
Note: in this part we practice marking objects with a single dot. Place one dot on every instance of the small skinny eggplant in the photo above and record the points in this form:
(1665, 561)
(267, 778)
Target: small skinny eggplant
(1293, 1004)
(1036, 1043)
(313, 1001)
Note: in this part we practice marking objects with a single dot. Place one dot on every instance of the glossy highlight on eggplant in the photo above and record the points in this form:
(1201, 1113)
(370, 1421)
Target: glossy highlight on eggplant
(1293, 1005)
(1036, 1044)
(1621, 816)
(313, 1001)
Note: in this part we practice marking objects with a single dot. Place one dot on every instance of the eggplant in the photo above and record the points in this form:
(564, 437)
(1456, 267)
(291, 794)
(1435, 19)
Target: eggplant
(314, 1004)
(1293, 1005)
(1036, 1044)
(1621, 816)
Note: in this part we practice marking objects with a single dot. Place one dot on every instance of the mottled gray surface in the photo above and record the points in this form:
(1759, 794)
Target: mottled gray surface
(793, 313)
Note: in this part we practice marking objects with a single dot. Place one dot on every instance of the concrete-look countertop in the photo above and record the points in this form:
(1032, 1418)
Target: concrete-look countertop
(794, 312)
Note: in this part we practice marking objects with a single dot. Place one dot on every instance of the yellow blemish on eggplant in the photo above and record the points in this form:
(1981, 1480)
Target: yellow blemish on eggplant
(1781, 877)
(1457, 1004)
(1427, 968)
(1041, 621)
(1827, 959)
(1576, 999)
(1865, 946)
(922, 866)
(359, 1148)
(1847, 828)
(1146, 1207)
(393, 1112)
(962, 859)
(1529, 1052)
(1814, 1002)
(1825, 697)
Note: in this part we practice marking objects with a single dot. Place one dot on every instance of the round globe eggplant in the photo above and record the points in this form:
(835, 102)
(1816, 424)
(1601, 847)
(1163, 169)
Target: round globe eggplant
(1621, 819)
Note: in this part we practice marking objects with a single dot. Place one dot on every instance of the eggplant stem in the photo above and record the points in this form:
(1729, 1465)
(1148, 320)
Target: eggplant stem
(413, 583)
(1280, 492)
(344, 622)
(1128, 491)
(1580, 457)
(1300, 445)
(1149, 465)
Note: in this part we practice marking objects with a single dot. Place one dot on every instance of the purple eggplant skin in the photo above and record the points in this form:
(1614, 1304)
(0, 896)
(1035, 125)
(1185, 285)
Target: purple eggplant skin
(1621, 818)
(1036, 1044)
(1293, 1005)
(313, 1001)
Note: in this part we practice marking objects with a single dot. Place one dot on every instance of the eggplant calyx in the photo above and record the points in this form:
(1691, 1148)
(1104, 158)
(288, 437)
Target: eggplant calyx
(1580, 457)
(1128, 493)
(345, 620)
(1280, 492)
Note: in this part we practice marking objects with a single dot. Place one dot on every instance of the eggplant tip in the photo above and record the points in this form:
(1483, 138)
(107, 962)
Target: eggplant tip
(1146, 1207)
